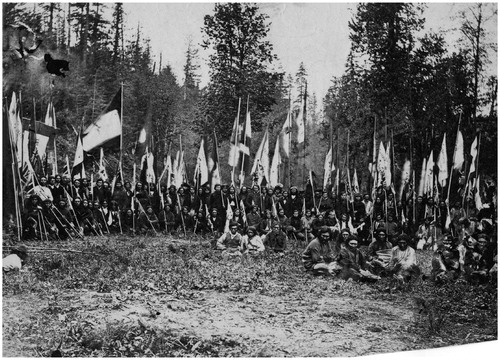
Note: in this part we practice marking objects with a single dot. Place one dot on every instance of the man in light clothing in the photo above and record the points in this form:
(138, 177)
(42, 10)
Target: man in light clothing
(403, 263)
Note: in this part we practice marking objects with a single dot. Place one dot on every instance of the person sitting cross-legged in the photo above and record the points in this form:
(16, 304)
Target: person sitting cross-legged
(403, 263)
(276, 240)
(353, 263)
(379, 252)
(252, 243)
(446, 261)
(230, 242)
(318, 256)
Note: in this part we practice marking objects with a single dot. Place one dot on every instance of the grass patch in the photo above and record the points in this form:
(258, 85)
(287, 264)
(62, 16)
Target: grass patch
(181, 269)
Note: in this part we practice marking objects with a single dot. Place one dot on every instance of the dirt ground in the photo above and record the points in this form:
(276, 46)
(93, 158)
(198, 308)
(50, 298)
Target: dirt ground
(179, 302)
(263, 325)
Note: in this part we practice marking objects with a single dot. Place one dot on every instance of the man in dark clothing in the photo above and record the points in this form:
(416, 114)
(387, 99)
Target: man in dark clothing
(217, 200)
(120, 196)
(294, 202)
(276, 240)
(318, 255)
(99, 192)
(379, 252)
(254, 219)
(216, 222)
(57, 190)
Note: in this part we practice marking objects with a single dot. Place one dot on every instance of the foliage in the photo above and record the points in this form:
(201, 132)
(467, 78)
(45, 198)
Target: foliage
(239, 66)
(412, 88)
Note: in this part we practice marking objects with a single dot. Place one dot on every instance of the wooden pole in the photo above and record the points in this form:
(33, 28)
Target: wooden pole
(235, 151)
(242, 171)
(121, 122)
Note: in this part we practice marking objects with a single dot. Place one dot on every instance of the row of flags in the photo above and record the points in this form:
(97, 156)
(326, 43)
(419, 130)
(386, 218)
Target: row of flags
(108, 127)
(262, 170)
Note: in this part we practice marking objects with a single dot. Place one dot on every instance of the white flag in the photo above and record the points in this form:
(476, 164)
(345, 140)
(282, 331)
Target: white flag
(274, 175)
(301, 124)
(285, 134)
(473, 152)
(443, 164)
(458, 157)
(429, 175)
(327, 168)
(261, 162)
(201, 166)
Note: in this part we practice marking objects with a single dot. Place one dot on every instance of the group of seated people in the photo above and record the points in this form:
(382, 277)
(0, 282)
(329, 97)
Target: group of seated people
(60, 209)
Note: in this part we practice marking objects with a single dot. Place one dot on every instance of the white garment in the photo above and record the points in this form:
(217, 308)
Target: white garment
(43, 192)
(11, 263)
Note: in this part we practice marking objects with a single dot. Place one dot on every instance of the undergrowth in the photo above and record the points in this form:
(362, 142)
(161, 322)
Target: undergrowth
(164, 266)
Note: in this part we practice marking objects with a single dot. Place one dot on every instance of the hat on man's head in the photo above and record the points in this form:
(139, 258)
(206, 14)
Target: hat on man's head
(232, 223)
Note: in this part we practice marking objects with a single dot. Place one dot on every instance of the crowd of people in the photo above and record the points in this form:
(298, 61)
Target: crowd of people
(331, 226)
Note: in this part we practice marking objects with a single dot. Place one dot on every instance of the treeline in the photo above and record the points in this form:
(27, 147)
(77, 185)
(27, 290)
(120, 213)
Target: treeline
(412, 87)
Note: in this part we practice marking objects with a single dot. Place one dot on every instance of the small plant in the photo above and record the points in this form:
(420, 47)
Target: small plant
(431, 312)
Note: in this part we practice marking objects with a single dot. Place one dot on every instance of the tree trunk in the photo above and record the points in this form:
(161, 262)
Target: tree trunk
(85, 37)
(69, 27)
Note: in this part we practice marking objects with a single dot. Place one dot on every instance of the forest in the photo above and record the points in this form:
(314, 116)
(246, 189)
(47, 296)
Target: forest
(404, 86)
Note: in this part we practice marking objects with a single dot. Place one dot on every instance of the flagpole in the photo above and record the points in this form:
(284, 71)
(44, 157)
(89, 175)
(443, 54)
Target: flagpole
(331, 149)
(121, 124)
(237, 122)
(468, 175)
(242, 176)
(454, 152)
(394, 173)
(304, 124)
(289, 120)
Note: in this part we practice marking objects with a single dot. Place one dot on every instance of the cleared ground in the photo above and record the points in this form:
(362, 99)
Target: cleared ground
(174, 297)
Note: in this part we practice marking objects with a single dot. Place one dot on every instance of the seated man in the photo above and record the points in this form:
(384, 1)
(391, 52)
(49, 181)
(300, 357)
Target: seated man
(403, 263)
(266, 223)
(428, 234)
(216, 222)
(253, 219)
(307, 221)
(446, 261)
(480, 262)
(276, 240)
(379, 252)
(230, 242)
(318, 223)
(318, 255)
(294, 227)
(251, 243)
(353, 263)
(147, 221)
